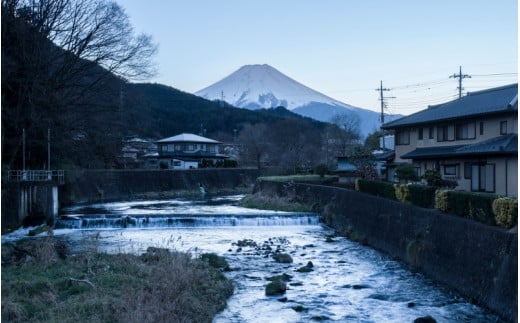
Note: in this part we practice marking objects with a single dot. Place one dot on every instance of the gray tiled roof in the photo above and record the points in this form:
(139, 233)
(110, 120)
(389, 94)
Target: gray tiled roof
(495, 100)
(188, 137)
(503, 145)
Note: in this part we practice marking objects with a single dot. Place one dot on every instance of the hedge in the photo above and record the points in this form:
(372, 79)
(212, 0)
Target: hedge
(470, 205)
(378, 188)
(506, 212)
(420, 195)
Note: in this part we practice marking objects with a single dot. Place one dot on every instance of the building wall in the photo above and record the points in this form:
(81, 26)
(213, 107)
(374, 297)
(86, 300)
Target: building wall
(491, 130)
(505, 175)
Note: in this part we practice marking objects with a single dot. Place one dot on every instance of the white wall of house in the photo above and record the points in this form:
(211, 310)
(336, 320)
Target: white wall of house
(181, 164)
(490, 129)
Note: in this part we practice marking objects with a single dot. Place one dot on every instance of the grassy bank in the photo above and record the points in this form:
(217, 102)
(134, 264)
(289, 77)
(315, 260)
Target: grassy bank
(41, 283)
(307, 178)
(269, 202)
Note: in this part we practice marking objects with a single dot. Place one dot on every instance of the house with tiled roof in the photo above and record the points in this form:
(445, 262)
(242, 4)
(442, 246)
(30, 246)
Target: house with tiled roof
(472, 140)
(185, 151)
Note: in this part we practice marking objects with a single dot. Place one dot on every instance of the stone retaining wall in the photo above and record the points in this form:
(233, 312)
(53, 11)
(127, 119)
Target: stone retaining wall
(86, 186)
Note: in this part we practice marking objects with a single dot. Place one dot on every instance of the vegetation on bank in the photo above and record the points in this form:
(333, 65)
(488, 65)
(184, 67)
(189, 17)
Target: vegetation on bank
(264, 201)
(307, 178)
(487, 208)
(40, 282)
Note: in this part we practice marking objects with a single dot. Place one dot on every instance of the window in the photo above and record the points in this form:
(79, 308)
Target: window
(430, 132)
(191, 147)
(481, 128)
(483, 177)
(420, 134)
(445, 133)
(465, 131)
(467, 170)
(402, 137)
(450, 170)
(503, 127)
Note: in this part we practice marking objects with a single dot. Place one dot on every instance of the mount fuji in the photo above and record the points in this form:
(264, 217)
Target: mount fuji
(262, 86)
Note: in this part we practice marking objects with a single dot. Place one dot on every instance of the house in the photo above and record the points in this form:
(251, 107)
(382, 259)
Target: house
(185, 151)
(372, 165)
(472, 140)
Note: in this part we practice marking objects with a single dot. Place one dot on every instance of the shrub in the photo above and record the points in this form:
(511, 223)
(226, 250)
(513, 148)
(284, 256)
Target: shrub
(378, 188)
(419, 195)
(433, 178)
(470, 205)
(406, 173)
(402, 193)
(506, 212)
(441, 200)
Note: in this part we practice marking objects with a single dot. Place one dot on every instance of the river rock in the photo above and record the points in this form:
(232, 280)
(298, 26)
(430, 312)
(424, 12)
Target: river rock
(276, 287)
(307, 268)
(425, 319)
(283, 258)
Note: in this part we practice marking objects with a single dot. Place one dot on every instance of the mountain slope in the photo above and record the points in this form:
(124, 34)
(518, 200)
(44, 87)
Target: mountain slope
(262, 86)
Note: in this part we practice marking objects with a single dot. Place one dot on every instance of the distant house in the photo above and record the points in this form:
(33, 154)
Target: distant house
(133, 151)
(472, 140)
(185, 151)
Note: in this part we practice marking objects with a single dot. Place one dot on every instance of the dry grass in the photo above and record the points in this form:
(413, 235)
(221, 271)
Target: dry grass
(269, 202)
(40, 285)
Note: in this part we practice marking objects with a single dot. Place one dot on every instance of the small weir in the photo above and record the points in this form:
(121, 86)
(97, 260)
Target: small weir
(347, 282)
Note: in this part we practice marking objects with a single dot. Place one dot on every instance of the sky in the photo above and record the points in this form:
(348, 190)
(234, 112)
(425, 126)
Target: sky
(341, 48)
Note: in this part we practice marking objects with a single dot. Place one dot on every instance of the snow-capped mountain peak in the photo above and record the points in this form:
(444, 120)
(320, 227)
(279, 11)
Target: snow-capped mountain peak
(263, 86)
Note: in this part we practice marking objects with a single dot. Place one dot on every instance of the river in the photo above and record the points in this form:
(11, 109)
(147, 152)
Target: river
(348, 282)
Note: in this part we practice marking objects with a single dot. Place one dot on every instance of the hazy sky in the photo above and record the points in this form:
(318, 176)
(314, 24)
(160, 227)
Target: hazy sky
(342, 48)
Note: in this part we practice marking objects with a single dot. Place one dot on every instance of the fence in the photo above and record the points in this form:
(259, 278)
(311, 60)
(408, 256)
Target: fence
(57, 176)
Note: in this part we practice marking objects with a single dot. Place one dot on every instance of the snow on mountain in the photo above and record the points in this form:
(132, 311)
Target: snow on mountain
(262, 86)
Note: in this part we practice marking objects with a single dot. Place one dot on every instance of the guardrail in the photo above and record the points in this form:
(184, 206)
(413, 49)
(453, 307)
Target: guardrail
(57, 176)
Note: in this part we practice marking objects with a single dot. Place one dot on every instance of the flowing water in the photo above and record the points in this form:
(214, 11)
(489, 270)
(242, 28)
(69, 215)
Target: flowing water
(348, 282)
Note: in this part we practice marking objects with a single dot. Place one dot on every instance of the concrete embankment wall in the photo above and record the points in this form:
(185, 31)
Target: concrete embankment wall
(478, 261)
(87, 186)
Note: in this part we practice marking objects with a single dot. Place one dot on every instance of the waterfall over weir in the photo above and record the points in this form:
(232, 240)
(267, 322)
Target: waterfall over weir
(184, 220)
(216, 212)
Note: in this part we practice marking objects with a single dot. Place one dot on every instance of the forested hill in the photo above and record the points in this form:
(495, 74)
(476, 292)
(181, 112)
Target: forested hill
(155, 110)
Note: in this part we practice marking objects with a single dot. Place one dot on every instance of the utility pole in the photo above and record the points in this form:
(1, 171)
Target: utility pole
(49, 149)
(460, 76)
(23, 149)
(382, 99)
(222, 98)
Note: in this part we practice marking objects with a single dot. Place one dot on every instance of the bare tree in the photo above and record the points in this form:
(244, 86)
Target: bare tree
(64, 64)
(254, 144)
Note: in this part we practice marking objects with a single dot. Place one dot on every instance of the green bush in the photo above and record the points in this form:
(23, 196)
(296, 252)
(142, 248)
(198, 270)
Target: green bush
(506, 212)
(378, 188)
(470, 205)
(441, 200)
(419, 195)
(433, 178)
(402, 193)
(406, 173)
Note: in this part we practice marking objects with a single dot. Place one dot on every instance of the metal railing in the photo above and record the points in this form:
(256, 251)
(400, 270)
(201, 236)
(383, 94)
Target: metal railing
(57, 176)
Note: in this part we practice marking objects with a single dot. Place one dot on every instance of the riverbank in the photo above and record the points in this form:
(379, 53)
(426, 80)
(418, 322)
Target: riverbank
(41, 282)
(478, 261)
